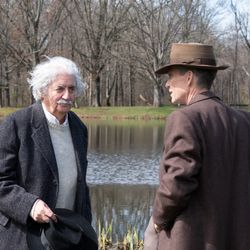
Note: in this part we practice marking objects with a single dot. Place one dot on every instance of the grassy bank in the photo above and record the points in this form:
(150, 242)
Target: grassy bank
(136, 113)
(6, 111)
(114, 113)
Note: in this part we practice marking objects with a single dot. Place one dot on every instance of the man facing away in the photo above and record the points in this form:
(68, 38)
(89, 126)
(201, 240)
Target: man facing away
(203, 200)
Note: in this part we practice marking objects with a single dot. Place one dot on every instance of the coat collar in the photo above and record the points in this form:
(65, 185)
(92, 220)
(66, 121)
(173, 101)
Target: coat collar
(203, 96)
(38, 117)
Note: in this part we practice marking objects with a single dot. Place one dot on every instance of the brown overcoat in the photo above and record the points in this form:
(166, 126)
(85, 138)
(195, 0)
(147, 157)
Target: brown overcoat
(204, 194)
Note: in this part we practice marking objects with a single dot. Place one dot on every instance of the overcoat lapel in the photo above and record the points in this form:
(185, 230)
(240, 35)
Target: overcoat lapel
(42, 138)
(77, 139)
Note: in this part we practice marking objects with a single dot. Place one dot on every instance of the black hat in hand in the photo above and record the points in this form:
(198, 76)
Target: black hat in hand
(71, 232)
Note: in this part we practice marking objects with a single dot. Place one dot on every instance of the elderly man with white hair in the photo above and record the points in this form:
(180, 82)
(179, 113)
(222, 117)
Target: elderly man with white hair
(43, 155)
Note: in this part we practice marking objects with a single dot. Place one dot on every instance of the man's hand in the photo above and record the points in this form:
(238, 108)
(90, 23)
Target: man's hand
(41, 213)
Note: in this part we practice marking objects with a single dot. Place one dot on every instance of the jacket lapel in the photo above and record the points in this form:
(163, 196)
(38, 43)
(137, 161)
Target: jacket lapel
(77, 139)
(78, 143)
(41, 137)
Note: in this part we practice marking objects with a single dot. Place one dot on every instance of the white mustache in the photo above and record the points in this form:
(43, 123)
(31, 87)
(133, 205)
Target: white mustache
(63, 101)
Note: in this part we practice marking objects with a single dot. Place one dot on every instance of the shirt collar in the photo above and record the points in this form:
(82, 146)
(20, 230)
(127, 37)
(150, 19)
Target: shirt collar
(52, 119)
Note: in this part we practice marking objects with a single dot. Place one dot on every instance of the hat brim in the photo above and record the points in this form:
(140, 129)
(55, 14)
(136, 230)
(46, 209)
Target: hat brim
(166, 68)
(70, 229)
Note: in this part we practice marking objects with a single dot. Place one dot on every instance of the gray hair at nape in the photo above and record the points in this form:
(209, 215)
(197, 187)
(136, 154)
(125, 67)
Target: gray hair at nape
(44, 73)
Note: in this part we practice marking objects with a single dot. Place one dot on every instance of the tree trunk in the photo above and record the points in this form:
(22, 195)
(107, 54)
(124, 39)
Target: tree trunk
(97, 93)
(157, 95)
(131, 86)
(7, 84)
(121, 92)
(1, 98)
(116, 93)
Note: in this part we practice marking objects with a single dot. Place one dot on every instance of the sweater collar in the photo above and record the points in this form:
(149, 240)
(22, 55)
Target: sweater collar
(52, 119)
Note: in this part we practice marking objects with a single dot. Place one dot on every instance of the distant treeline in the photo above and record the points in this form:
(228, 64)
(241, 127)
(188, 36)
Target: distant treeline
(118, 44)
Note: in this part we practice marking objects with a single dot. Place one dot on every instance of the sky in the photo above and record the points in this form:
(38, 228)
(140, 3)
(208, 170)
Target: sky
(226, 16)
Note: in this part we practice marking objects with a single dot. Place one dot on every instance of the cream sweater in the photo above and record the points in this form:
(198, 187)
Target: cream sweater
(66, 161)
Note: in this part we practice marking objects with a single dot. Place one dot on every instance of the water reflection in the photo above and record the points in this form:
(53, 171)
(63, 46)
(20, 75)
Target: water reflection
(123, 172)
(126, 206)
(124, 152)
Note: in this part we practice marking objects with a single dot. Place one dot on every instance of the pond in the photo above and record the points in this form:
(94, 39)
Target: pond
(124, 152)
(123, 172)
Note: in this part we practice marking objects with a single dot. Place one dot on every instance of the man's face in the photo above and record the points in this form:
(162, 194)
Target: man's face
(177, 85)
(60, 95)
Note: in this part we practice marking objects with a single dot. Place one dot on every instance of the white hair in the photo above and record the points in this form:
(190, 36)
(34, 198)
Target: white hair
(44, 73)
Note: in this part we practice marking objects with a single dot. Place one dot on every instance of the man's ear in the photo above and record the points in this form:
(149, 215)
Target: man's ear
(190, 77)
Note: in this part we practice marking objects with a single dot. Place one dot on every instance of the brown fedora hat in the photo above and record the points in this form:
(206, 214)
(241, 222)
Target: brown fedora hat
(191, 55)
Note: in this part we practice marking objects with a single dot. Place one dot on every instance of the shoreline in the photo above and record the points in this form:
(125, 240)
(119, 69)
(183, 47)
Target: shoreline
(113, 113)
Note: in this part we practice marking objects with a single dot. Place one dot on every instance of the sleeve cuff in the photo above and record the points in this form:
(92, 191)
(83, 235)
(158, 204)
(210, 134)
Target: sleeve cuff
(32, 211)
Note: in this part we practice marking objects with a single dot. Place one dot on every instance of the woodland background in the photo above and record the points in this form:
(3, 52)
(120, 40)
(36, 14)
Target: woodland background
(119, 44)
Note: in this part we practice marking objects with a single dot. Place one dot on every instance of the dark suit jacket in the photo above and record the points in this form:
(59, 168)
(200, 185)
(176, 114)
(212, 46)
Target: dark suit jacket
(204, 195)
(28, 171)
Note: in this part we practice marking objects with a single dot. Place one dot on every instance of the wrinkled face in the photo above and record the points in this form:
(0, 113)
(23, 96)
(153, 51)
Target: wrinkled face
(178, 87)
(60, 95)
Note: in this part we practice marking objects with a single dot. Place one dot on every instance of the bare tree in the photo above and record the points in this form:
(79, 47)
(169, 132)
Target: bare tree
(242, 19)
(158, 24)
(118, 44)
(32, 25)
(155, 28)
(242, 30)
(30, 28)
(97, 27)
